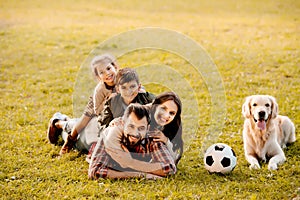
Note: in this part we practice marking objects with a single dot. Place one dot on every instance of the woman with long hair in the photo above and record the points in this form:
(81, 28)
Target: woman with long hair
(165, 125)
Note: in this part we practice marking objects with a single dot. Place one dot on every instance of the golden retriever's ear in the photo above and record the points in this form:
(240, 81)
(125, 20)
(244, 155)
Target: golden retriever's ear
(274, 107)
(246, 107)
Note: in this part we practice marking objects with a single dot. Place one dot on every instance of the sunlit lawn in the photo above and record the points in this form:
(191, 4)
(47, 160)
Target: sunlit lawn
(254, 44)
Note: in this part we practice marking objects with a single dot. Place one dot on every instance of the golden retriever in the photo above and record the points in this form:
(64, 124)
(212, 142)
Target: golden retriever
(265, 133)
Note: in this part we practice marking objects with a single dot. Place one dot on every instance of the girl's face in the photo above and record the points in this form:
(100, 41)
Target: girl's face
(107, 74)
(165, 112)
(129, 91)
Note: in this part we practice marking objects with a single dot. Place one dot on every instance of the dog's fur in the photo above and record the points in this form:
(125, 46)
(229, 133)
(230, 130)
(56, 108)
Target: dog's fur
(265, 133)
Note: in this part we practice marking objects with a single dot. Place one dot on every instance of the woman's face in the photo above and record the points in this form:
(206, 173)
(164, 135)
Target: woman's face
(165, 112)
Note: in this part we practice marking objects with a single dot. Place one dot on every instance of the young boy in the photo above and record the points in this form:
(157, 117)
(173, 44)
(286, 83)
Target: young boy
(128, 88)
(108, 162)
(104, 68)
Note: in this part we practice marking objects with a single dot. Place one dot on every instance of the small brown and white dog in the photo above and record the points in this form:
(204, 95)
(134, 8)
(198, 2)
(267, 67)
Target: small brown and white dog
(265, 133)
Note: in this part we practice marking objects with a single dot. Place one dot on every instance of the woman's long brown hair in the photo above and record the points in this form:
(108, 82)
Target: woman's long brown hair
(173, 130)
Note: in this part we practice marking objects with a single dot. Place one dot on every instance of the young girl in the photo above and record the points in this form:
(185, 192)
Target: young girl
(104, 68)
(129, 91)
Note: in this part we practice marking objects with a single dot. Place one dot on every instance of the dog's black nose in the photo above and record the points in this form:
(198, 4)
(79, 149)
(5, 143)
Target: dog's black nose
(262, 114)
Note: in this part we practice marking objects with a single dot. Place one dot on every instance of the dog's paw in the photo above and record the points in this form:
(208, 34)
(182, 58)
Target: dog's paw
(272, 166)
(254, 166)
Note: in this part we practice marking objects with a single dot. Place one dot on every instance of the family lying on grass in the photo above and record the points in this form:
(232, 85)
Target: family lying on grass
(126, 131)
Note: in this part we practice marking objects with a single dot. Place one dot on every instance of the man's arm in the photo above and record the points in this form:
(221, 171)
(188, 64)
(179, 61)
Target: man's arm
(98, 167)
(162, 162)
(100, 160)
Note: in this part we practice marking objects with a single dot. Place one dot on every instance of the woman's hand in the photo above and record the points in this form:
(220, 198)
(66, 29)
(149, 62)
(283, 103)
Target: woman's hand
(158, 136)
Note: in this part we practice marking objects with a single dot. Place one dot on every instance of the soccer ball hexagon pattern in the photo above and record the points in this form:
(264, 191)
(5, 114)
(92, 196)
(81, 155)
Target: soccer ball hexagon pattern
(219, 158)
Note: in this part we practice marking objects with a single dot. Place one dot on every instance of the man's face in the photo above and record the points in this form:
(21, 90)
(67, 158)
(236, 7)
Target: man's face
(129, 91)
(135, 129)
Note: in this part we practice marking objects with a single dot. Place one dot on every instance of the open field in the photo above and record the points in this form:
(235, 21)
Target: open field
(254, 44)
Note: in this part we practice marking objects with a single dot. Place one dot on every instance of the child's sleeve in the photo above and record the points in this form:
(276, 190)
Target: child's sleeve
(106, 115)
(99, 97)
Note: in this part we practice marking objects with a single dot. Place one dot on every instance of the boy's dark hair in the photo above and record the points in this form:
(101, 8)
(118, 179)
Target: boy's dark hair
(139, 110)
(126, 75)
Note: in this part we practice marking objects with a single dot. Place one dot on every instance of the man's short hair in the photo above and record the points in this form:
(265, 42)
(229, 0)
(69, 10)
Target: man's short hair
(139, 110)
(126, 75)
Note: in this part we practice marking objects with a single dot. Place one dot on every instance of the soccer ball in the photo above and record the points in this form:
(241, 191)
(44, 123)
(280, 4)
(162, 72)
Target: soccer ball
(219, 158)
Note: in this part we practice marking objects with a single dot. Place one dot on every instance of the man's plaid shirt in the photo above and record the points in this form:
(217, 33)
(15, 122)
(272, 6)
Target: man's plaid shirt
(147, 150)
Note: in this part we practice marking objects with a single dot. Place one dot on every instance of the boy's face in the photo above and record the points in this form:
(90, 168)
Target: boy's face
(135, 129)
(129, 91)
(165, 113)
(107, 74)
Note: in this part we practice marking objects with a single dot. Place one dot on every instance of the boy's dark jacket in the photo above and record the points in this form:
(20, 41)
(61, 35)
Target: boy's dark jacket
(114, 107)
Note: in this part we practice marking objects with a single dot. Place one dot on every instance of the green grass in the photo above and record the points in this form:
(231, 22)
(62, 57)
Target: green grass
(255, 45)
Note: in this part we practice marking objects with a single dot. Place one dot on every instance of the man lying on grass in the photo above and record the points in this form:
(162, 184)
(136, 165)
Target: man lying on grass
(140, 157)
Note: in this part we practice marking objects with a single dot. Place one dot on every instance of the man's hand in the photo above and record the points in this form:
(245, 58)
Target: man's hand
(152, 176)
(121, 157)
(126, 161)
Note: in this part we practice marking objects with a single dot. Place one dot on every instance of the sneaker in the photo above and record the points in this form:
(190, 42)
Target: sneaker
(53, 132)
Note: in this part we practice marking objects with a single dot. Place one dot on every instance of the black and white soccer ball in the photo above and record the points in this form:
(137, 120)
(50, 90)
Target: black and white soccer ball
(219, 158)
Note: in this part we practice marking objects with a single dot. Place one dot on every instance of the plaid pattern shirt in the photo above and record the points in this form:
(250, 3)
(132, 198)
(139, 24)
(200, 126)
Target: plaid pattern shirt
(99, 162)
(146, 151)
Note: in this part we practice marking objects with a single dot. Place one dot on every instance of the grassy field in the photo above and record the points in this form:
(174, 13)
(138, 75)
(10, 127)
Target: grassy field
(254, 44)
